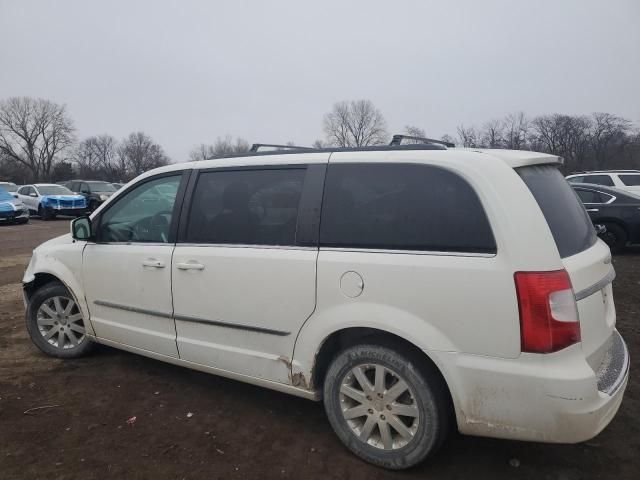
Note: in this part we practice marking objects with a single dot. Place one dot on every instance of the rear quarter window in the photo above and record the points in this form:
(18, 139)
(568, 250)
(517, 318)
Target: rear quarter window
(568, 221)
(630, 180)
(402, 207)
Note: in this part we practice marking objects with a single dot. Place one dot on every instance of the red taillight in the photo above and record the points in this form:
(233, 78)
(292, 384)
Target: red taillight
(548, 311)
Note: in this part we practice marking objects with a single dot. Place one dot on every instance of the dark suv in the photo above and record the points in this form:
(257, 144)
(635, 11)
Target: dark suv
(94, 191)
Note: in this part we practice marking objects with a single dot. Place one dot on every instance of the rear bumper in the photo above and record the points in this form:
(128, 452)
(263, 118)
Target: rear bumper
(548, 398)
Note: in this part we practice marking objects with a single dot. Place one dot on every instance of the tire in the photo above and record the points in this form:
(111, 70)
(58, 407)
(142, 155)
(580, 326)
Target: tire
(43, 213)
(615, 236)
(425, 401)
(53, 331)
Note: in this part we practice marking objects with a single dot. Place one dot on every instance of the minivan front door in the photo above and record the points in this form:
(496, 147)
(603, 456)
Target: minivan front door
(244, 276)
(127, 272)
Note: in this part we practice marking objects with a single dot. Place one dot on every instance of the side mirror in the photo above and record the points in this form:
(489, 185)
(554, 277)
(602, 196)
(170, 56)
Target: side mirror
(81, 228)
(15, 195)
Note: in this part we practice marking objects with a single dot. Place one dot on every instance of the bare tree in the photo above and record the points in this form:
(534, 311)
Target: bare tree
(33, 133)
(357, 123)
(448, 138)
(564, 135)
(607, 130)
(97, 157)
(516, 131)
(468, 136)
(223, 146)
(138, 153)
(492, 134)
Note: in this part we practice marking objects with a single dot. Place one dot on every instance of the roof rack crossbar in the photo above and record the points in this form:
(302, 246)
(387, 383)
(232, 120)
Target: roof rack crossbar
(397, 140)
(256, 147)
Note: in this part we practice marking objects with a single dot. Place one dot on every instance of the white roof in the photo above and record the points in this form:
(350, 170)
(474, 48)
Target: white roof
(521, 158)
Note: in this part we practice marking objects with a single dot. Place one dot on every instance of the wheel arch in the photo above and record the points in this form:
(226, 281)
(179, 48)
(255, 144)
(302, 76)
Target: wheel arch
(346, 337)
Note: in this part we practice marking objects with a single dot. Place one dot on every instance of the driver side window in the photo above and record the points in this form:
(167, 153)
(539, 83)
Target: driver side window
(143, 214)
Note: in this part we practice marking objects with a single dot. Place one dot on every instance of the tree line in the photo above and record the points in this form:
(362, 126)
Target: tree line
(38, 141)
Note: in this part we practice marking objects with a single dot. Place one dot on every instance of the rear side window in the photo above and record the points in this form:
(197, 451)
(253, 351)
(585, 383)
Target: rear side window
(568, 221)
(589, 196)
(630, 180)
(250, 207)
(402, 207)
(599, 180)
(575, 180)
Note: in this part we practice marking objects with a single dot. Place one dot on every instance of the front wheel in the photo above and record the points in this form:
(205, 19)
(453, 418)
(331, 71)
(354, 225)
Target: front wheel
(55, 323)
(384, 407)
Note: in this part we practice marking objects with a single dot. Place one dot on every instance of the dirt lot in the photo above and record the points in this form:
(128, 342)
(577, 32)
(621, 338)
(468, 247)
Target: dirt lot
(236, 430)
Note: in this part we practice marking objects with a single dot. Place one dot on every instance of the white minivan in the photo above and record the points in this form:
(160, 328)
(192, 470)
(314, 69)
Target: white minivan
(411, 288)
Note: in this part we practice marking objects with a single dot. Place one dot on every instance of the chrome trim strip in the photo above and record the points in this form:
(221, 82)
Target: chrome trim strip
(587, 292)
(245, 245)
(127, 308)
(217, 323)
(409, 252)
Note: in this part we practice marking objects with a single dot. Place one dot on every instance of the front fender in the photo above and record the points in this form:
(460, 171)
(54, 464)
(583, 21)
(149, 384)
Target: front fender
(63, 261)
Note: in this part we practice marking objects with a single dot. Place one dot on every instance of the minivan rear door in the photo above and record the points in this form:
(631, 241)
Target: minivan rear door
(586, 258)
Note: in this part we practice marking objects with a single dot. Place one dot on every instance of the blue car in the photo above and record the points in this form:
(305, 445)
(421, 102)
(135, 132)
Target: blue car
(49, 200)
(12, 210)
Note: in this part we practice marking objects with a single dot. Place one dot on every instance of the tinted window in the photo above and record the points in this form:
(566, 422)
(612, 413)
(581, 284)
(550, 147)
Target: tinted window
(599, 180)
(252, 207)
(575, 180)
(143, 214)
(402, 207)
(100, 187)
(589, 196)
(568, 221)
(630, 180)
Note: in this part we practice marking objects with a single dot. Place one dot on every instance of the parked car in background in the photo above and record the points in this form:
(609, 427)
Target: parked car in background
(618, 211)
(408, 286)
(12, 210)
(117, 186)
(627, 180)
(49, 200)
(10, 187)
(95, 192)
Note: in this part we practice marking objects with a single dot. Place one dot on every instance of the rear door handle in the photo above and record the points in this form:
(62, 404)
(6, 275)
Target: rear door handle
(593, 209)
(152, 262)
(191, 265)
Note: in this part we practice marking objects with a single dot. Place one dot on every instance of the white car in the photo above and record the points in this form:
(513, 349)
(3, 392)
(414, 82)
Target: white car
(627, 180)
(50, 199)
(407, 286)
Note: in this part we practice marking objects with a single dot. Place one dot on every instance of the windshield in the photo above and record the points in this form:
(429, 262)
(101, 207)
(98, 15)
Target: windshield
(9, 186)
(53, 190)
(4, 195)
(101, 187)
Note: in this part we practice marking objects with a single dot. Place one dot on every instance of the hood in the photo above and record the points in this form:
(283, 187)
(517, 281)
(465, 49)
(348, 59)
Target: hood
(63, 197)
(8, 204)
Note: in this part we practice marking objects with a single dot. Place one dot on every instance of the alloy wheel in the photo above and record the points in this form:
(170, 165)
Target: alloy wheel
(379, 406)
(60, 322)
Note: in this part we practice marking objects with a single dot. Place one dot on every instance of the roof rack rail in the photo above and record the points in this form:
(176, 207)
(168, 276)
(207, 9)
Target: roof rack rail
(397, 140)
(256, 147)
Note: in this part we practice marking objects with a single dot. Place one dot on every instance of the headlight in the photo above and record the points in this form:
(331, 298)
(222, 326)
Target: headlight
(103, 197)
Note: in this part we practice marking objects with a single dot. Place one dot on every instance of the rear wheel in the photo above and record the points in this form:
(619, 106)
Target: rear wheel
(385, 408)
(615, 236)
(55, 323)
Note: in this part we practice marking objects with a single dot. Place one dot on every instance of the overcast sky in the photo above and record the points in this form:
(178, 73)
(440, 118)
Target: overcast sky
(188, 71)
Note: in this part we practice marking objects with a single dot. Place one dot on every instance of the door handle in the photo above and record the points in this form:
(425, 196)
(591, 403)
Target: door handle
(152, 262)
(593, 209)
(192, 265)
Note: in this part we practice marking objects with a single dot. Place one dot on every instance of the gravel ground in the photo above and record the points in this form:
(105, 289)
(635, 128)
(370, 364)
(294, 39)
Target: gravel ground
(193, 425)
